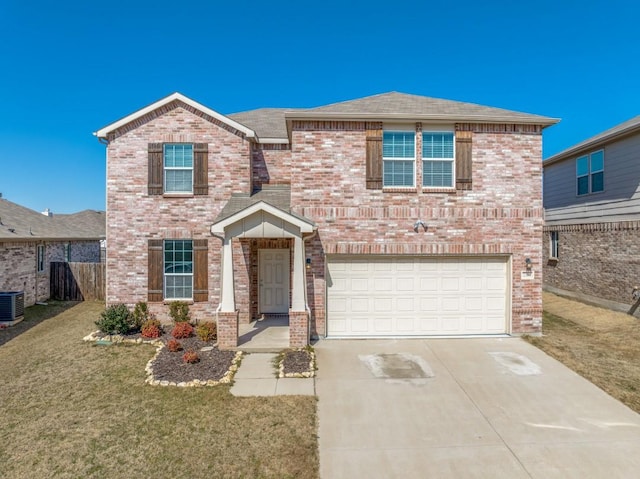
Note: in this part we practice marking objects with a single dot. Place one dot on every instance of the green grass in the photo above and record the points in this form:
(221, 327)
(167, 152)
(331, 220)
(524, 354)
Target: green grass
(74, 409)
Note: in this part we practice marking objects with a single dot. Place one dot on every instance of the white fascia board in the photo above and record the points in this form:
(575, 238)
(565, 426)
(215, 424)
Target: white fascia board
(102, 133)
(273, 141)
(218, 228)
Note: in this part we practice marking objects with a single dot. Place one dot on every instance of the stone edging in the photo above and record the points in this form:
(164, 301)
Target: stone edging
(307, 374)
(226, 379)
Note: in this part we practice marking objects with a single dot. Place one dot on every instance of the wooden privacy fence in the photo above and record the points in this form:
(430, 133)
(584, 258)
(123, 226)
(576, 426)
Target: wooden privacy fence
(77, 281)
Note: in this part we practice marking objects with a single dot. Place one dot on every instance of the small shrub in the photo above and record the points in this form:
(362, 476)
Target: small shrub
(190, 357)
(116, 319)
(207, 331)
(179, 311)
(182, 330)
(140, 315)
(151, 329)
(174, 346)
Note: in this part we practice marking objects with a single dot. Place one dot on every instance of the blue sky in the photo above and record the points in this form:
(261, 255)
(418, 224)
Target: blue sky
(70, 68)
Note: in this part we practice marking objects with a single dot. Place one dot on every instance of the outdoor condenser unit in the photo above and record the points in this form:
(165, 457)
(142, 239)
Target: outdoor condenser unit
(11, 305)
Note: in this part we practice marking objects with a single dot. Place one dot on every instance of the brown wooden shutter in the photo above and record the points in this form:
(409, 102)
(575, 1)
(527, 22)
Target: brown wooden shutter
(374, 155)
(156, 275)
(200, 169)
(200, 270)
(463, 160)
(156, 169)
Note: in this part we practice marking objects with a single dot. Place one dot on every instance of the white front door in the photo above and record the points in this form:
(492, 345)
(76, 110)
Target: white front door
(274, 280)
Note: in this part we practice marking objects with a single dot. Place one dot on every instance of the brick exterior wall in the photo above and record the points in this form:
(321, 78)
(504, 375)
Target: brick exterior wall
(325, 165)
(18, 265)
(600, 260)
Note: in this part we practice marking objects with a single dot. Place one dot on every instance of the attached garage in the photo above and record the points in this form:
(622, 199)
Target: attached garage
(395, 296)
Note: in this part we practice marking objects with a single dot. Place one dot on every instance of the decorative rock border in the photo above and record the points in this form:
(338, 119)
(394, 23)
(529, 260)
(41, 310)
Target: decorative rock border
(116, 338)
(307, 374)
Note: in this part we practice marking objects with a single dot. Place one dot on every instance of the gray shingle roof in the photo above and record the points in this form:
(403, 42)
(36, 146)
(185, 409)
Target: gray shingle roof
(271, 122)
(20, 223)
(278, 196)
(621, 129)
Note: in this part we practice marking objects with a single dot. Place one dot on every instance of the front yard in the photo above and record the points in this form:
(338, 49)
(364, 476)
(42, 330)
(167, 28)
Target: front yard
(76, 409)
(604, 351)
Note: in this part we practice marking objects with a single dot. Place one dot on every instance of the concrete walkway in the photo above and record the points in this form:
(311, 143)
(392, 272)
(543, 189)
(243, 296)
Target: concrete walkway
(465, 408)
(257, 377)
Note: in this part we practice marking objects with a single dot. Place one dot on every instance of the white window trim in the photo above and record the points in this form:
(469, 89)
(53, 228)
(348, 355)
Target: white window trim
(177, 168)
(386, 158)
(590, 173)
(452, 160)
(554, 244)
(164, 274)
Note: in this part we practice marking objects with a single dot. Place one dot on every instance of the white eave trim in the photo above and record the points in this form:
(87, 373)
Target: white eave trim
(273, 141)
(102, 133)
(219, 227)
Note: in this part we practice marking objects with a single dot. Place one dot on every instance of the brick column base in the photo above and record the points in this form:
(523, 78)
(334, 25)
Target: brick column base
(298, 329)
(228, 330)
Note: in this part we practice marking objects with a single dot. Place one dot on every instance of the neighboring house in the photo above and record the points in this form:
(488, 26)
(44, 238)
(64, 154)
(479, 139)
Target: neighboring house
(592, 217)
(30, 241)
(390, 215)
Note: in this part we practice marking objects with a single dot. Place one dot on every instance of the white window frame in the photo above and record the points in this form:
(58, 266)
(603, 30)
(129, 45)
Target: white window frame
(174, 275)
(40, 258)
(590, 173)
(176, 168)
(406, 159)
(452, 160)
(554, 243)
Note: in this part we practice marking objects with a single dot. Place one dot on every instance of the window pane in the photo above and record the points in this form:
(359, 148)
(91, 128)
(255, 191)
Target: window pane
(178, 268)
(178, 156)
(178, 181)
(583, 185)
(597, 182)
(582, 166)
(398, 144)
(437, 145)
(397, 173)
(437, 173)
(597, 161)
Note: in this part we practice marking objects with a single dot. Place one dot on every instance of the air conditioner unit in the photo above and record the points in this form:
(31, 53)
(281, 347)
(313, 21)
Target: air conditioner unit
(11, 305)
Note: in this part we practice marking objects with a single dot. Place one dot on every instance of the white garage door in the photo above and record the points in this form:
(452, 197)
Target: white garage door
(376, 296)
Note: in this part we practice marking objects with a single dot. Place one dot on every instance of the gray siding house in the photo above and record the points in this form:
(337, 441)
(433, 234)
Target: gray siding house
(591, 200)
(30, 241)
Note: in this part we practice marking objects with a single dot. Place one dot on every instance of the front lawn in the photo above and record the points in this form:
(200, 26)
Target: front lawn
(605, 353)
(77, 409)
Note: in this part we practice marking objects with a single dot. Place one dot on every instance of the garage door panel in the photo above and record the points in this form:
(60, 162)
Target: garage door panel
(416, 296)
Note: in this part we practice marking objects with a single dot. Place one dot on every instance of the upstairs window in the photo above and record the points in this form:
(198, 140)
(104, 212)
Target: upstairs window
(554, 239)
(178, 168)
(437, 159)
(590, 173)
(398, 158)
(178, 269)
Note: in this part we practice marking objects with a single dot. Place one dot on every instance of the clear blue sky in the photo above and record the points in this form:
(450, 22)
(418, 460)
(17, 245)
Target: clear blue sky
(69, 68)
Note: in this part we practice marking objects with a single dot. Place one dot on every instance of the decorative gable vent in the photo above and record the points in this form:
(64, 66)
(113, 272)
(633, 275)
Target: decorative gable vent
(11, 305)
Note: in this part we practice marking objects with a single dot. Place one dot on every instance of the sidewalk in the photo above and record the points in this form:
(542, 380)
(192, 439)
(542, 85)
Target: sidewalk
(257, 377)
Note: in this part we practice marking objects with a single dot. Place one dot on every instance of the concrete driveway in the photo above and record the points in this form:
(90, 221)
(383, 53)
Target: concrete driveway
(465, 408)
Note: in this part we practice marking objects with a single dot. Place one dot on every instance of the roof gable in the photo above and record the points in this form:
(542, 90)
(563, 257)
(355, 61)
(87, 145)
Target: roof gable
(112, 127)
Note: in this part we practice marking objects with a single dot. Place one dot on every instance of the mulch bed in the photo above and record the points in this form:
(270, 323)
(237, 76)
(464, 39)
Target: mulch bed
(297, 363)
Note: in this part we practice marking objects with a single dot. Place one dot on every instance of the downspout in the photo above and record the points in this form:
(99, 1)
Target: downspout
(306, 303)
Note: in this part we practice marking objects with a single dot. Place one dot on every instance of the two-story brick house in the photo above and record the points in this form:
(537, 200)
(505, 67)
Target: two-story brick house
(391, 215)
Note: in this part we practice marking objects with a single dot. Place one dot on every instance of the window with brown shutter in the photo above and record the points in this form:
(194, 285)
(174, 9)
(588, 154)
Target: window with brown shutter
(200, 270)
(464, 170)
(200, 166)
(155, 274)
(156, 167)
(374, 155)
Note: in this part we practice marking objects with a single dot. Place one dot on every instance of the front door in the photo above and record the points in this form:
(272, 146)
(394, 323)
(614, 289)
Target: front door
(274, 280)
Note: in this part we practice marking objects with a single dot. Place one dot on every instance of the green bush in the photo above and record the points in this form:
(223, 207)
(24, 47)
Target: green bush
(179, 311)
(207, 331)
(116, 319)
(140, 315)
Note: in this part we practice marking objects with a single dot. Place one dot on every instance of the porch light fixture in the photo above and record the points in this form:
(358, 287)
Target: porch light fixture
(528, 264)
(418, 224)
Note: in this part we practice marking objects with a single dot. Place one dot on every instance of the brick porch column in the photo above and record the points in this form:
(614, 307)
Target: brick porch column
(228, 329)
(298, 329)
